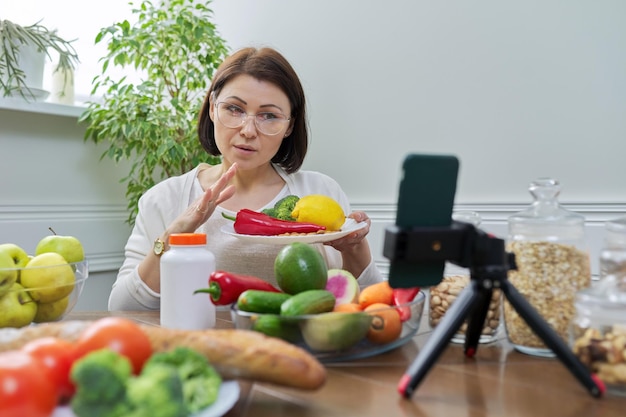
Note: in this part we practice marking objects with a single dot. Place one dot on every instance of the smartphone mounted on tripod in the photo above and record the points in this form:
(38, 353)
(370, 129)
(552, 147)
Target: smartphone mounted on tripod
(424, 237)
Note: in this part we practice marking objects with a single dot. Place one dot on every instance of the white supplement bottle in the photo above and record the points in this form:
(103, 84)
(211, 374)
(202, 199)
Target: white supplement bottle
(186, 267)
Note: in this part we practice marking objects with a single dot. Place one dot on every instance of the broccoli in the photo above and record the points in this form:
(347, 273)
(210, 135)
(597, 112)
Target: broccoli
(157, 392)
(269, 211)
(283, 208)
(100, 378)
(200, 381)
(171, 384)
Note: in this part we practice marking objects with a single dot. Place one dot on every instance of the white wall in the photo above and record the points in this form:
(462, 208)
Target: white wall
(517, 90)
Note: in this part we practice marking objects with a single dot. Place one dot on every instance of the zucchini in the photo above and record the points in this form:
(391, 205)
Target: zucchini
(277, 326)
(258, 301)
(308, 302)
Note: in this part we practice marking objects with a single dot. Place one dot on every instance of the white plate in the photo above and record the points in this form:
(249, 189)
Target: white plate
(226, 398)
(348, 227)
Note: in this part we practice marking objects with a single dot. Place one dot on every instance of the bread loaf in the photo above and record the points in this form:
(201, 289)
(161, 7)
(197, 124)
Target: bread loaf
(243, 354)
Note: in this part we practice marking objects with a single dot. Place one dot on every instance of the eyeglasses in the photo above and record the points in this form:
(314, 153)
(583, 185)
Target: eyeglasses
(233, 116)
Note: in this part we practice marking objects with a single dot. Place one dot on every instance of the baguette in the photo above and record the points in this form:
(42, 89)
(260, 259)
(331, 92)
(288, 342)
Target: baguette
(243, 354)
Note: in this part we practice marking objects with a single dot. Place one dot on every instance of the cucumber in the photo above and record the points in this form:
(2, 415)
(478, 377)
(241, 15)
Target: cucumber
(335, 331)
(258, 301)
(278, 326)
(308, 302)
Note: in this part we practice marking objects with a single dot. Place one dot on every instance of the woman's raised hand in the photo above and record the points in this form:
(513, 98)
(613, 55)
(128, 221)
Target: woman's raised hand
(200, 210)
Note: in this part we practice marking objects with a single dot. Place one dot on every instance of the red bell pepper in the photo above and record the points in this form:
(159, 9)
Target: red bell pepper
(403, 296)
(225, 287)
(249, 222)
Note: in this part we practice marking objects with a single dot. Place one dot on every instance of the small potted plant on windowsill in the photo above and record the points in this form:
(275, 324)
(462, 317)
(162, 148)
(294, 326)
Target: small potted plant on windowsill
(23, 50)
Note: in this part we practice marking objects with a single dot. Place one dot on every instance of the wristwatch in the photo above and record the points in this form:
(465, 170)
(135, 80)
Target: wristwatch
(158, 247)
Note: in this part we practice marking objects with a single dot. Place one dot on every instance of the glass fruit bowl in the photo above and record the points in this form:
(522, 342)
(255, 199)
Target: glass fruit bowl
(40, 293)
(339, 336)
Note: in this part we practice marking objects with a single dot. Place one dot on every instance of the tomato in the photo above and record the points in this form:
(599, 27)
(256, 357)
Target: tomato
(57, 356)
(121, 335)
(24, 389)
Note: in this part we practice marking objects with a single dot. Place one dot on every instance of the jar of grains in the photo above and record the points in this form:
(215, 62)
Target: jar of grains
(454, 281)
(552, 265)
(598, 332)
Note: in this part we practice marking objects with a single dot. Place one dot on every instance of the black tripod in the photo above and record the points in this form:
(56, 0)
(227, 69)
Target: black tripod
(489, 264)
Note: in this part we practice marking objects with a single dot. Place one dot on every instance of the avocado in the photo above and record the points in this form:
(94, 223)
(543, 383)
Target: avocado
(300, 267)
(328, 332)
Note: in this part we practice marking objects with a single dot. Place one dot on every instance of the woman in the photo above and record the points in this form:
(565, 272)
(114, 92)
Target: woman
(254, 117)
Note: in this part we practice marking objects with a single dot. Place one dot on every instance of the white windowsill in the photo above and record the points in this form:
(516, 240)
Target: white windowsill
(19, 104)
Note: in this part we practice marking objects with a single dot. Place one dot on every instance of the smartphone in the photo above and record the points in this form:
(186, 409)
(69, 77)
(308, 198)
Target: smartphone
(426, 199)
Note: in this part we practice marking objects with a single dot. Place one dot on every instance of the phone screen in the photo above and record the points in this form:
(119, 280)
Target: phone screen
(426, 199)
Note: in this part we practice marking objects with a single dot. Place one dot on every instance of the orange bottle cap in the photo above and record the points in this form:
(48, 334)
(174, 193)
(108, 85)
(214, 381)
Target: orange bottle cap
(188, 239)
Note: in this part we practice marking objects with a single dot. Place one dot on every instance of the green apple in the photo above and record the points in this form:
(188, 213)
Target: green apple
(19, 255)
(48, 277)
(17, 307)
(67, 246)
(8, 273)
(51, 311)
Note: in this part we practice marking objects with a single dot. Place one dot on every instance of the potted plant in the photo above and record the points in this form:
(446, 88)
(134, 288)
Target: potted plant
(23, 50)
(175, 49)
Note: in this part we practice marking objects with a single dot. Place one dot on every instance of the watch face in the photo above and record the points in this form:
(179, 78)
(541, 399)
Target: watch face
(158, 247)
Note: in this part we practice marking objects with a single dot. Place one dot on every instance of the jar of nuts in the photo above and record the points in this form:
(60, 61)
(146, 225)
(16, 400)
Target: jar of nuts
(443, 295)
(455, 280)
(552, 265)
(598, 332)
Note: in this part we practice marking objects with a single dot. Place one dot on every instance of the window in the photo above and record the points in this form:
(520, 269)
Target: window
(74, 19)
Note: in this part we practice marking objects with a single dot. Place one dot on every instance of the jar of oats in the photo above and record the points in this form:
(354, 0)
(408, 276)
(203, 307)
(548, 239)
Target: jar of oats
(442, 296)
(552, 265)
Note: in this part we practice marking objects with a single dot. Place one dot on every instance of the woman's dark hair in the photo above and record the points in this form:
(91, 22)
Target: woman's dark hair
(264, 64)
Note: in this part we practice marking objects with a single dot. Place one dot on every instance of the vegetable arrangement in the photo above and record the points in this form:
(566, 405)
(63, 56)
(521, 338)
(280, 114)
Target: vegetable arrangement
(249, 222)
(313, 310)
(317, 317)
(106, 372)
(313, 213)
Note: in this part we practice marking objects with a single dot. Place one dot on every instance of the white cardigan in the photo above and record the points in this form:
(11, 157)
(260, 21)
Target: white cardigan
(160, 205)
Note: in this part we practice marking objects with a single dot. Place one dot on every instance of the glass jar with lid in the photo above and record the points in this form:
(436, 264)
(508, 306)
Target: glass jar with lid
(552, 265)
(598, 332)
(613, 253)
(455, 279)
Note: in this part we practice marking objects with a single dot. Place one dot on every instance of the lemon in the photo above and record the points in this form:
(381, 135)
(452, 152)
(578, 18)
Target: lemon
(321, 210)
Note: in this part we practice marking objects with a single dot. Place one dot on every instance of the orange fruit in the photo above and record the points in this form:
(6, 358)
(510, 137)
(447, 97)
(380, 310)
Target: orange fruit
(380, 292)
(347, 308)
(386, 325)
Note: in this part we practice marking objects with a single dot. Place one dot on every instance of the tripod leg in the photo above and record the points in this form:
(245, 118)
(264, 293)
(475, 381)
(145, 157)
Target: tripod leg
(476, 320)
(438, 340)
(552, 340)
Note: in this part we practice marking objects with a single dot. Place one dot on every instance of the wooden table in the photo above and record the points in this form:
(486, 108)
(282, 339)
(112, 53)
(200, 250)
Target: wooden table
(499, 381)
